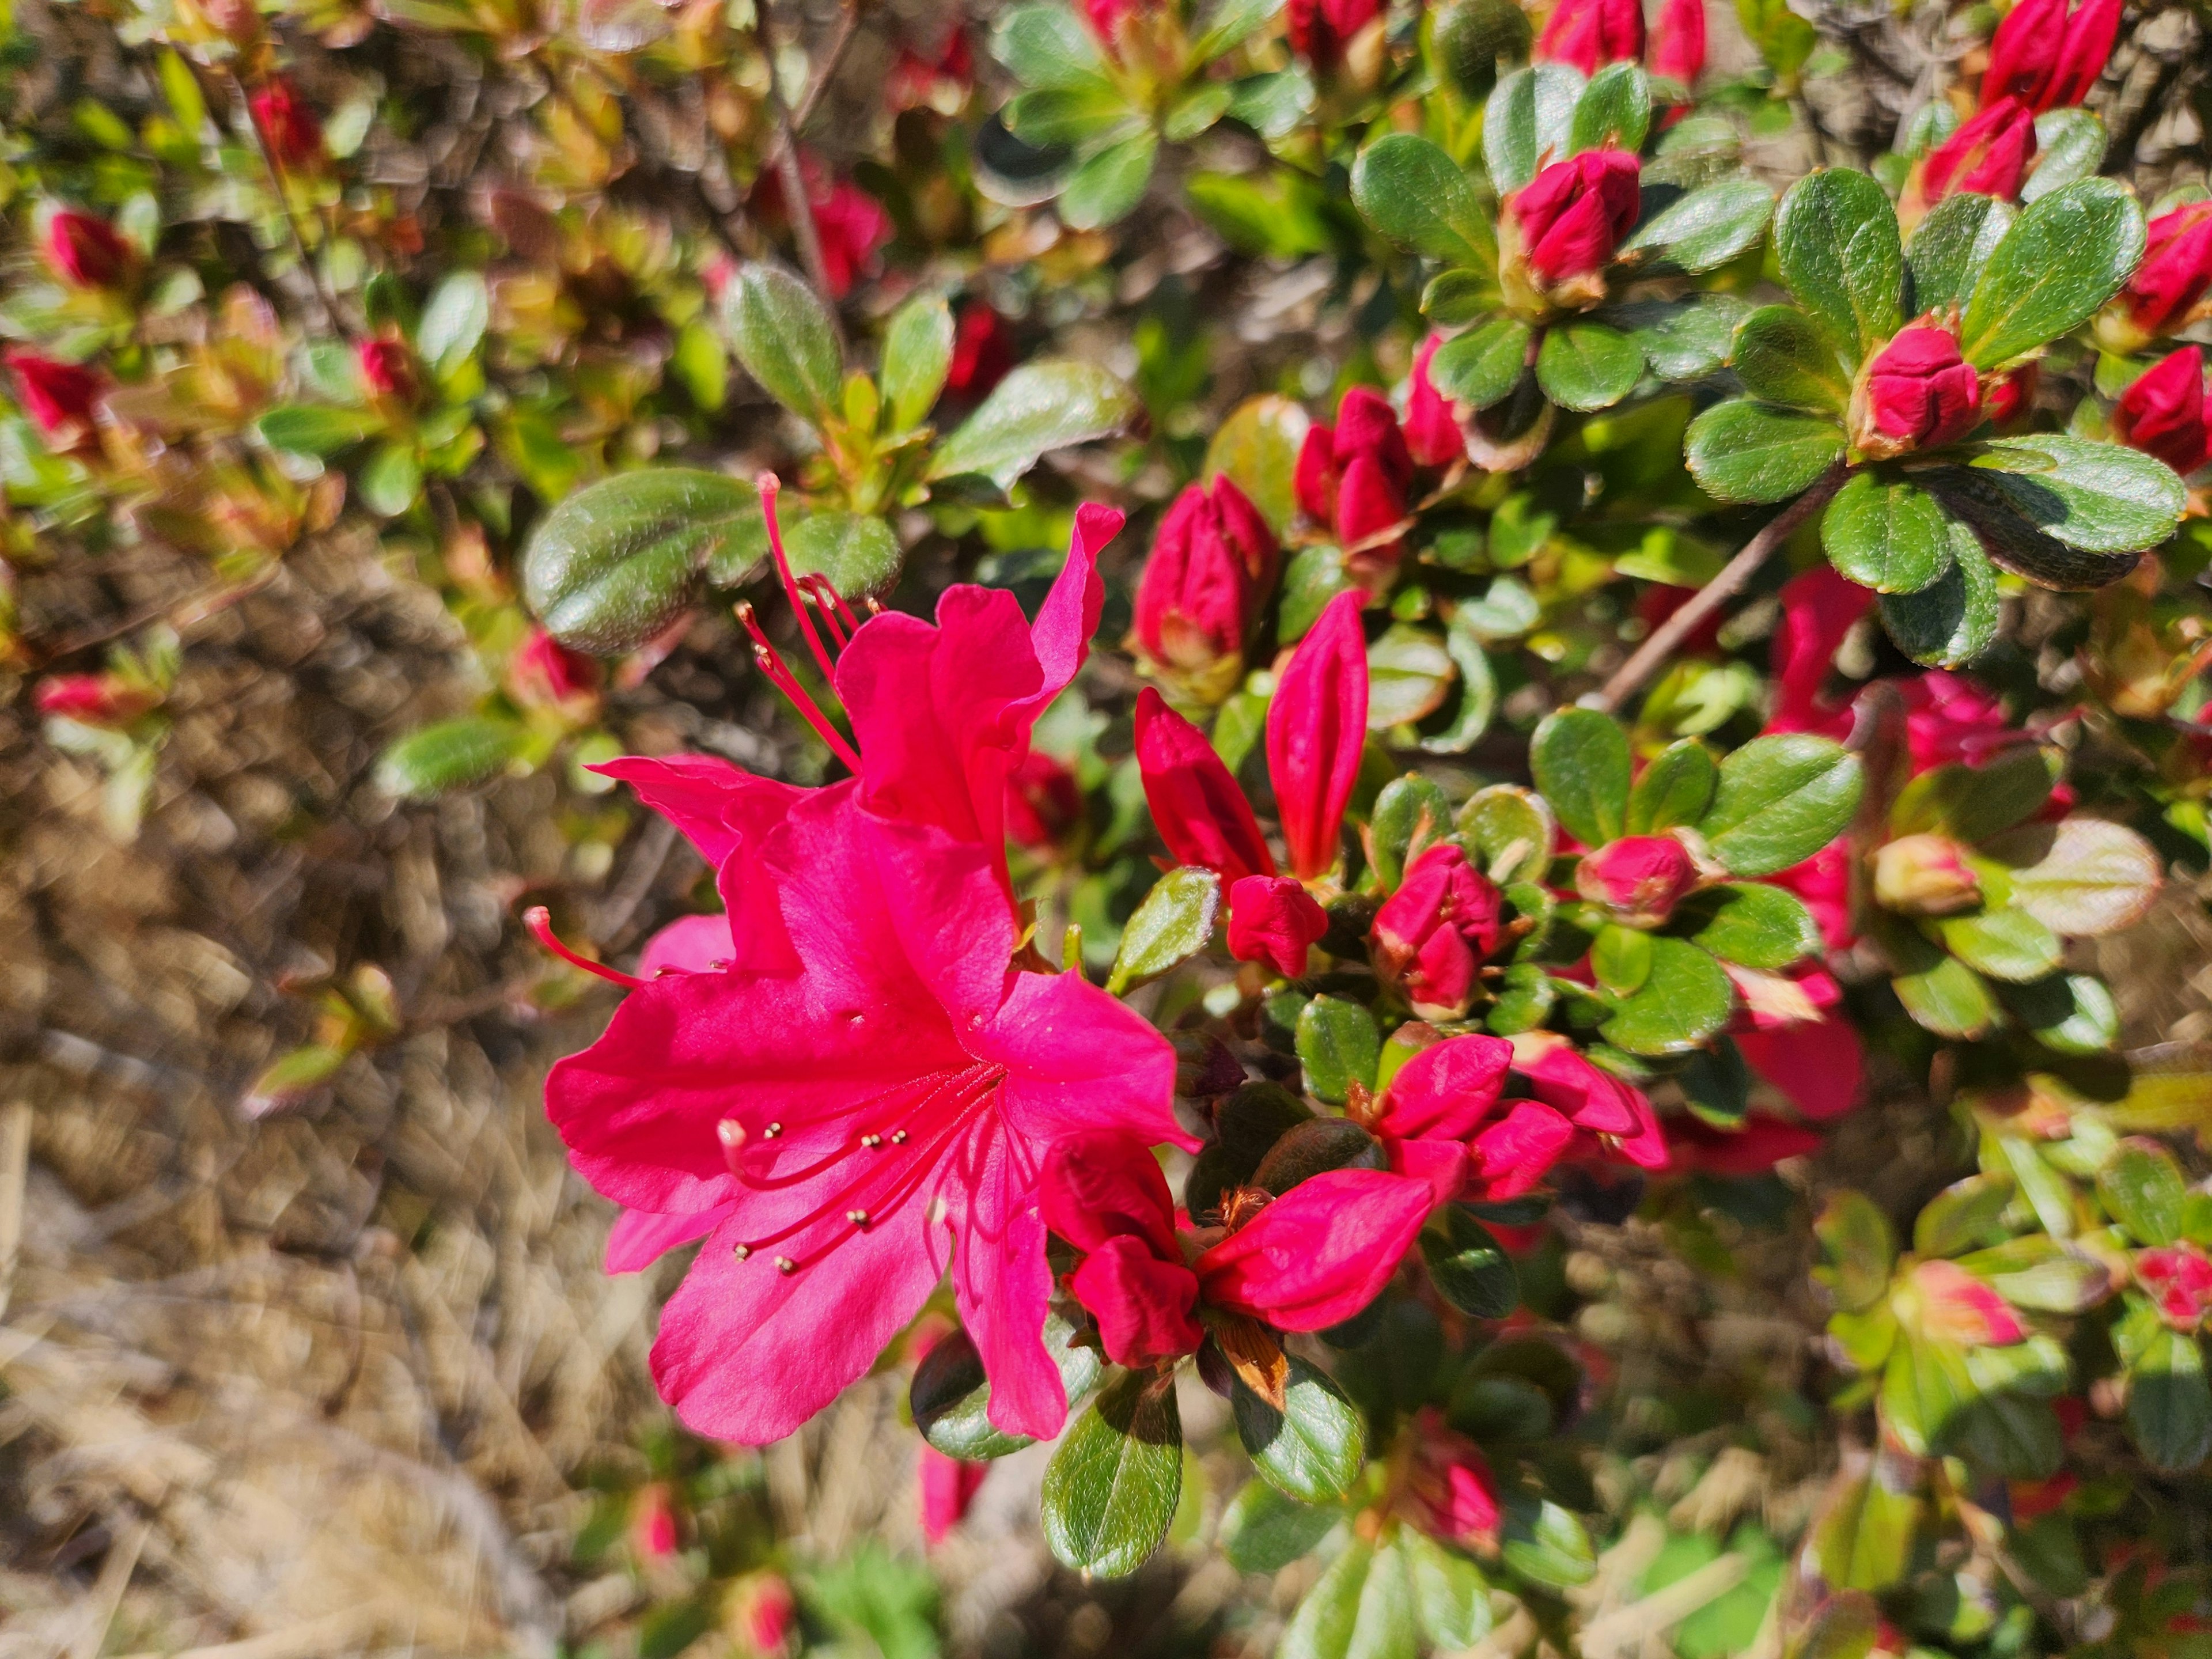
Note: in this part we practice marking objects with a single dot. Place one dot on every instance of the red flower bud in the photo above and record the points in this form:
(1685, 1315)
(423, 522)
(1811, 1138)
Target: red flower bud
(1199, 811)
(1450, 1492)
(2176, 270)
(1917, 393)
(1924, 875)
(288, 127)
(1273, 919)
(93, 699)
(1432, 935)
(850, 224)
(1353, 477)
(1590, 33)
(652, 1524)
(1572, 215)
(1433, 434)
(2179, 1280)
(544, 673)
(2010, 394)
(387, 368)
(87, 251)
(1989, 156)
(1106, 17)
(761, 1612)
(2165, 412)
(1640, 879)
(1316, 725)
(1319, 29)
(1678, 44)
(2046, 59)
(60, 397)
(1043, 802)
(1211, 569)
(983, 352)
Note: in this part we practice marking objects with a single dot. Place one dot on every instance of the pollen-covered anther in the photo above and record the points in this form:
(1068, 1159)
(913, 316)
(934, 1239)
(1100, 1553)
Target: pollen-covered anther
(785, 1266)
(740, 1252)
(872, 1141)
(858, 1218)
(771, 1131)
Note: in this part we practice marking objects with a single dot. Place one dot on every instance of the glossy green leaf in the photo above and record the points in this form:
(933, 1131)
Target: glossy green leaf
(619, 561)
(1256, 448)
(2072, 1014)
(1857, 1249)
(1545, 1544)
(1469, 1268)
(857, 551)
(453, 322)
(1586, 366)
(316, 430)
(1313, 1448)
(1105, 187)
(917, 355)
(1173, 924)
(2101, 497)
(1339, 1046)
(2081, 877)
(1450, 1595)
(1750, 924)
(2062, 257)
(1836, 242)
(784, 339)
(2169, 1402)
(1747, 451)
(1955, 619)
(950, 1395)
(1673, 790)
(1972, 802)
(1412, 813)
(1685, 999)
(1511, 832)
(1684, 339)
(1781, 799)
(1526, 124)
(1951, 248)
(2003, 943)
(1047, 45)
(1039, 407)
(1482, 366)
(2143, 1190)
(1704, 230)
(1415, 194)
(1262, 1530)
(448, 755)
(1940, 992)
(1621, 959)
(2069, 144)
(1614, 108)
(1887, 534)
(1784, 358)
(1964, 1214)
(1581, 762)
(1111, 1488)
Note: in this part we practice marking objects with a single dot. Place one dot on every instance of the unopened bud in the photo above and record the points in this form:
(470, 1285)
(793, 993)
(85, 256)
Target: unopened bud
(1924, 875)
(1640, 879)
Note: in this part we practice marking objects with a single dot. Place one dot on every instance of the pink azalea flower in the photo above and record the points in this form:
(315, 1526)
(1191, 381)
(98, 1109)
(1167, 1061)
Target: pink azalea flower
(865, 1096)
(1450, 1493)
(1790, 1035)
(1443, 1120)
(1606, 1111)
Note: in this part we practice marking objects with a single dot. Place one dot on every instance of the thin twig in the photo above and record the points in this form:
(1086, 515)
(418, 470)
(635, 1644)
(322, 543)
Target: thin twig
(15, 1176)
(1734, 578)
(784, 157)
(324, 303)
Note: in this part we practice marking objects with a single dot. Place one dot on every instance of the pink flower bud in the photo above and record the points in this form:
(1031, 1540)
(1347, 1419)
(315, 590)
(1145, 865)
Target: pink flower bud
(2011, 394)
(1572, 215)
(1588, 34)
(1924, 875)
(1273, 919)
(1197, 807)
(1319, 30)
(983, 352)
(1353, 478)
(1956, 1307)
(949, 1486)
(1678, 43)
(544, 673)
(1989, 156)
(1316, 727)
(760, 1613)
(1432, 935)
(1450, 1492)
(1917, 393)
(61, 398)
(652, 1524)
(93, 699)
(1104, 1192)
(1212, 569)
(387, 368)
(2046, 59)
(1106, 17)
(2178, 1278)
(1043, 803)
(286, 125)
(2165, 412)
(1640, 879)
(89, 252)
(1433, 437)
(2176, 270)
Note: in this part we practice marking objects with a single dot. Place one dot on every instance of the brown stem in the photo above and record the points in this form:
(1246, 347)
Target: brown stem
(1734, 578)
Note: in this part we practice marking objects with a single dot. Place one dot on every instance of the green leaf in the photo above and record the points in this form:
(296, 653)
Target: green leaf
(1047, 45)
(1858, 1250)
(1482, 366)
(316, 430)
(1836, 241)
(1478, 697)
(785, 340)
(1781, 799)
(859, 553)
(2073, 1014)
(1614, 108)
(1586, 366)
(1469, 1268)
(1955, 619)
(2143, 1190)
(1940, 992)
(1361, 1608)
(1315, 1147)
(2006, 944)
(2069, 144)
(436, 759)
(1257, 449)
(1547, 1545)
(2083, 877)
(1039, 407)
(1172, 925)
(1750, 924)
(1581, 762)
(1704, 230)
(453, 322)
(1784, 358)
(1473, 39)
(1747, 451)
(1972, 802)
(1450, 1595)
(618, 562)
(389, 481)
(1415, 194)
(1264, 1531)
(2169, 1403)
(1685, 999)
(917, 355)
(1459, 296)
(1408, 672)
(1410, 813)
(1526, 124)
(2103, 497)
(1951, 248)
(1961, 1216)
(2063, 256)
(1105, 187)
(1886, 534)
(1339, 1046)
(1313, 1448)
(2039, 1272)
(1511, 832)
(1621, 959)
(1673, 790)
(1684, 339)
(1111, 1488)
(1227, 23)
(1862, 1540)
(950, 1395)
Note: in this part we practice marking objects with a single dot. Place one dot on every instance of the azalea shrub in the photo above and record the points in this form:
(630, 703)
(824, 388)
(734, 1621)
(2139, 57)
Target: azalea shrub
(1434, 703)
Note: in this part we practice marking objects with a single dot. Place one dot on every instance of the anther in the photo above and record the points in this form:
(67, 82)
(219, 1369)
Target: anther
(742, 1251)
(898, 1137)
(785, 1266)
(858, 1218)
(872, 1141)
(539, 921)
(771, 1131)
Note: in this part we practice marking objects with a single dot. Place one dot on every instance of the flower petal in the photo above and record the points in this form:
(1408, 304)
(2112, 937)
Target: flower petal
(1320, 1253)
(1078, 1059)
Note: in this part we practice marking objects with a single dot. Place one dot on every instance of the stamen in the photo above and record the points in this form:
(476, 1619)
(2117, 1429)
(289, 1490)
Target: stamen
(742, 1251)
(772, 1132)
(731, 1134)
(898, 1137)
(770, 484)
(872, 1141)
(858, 1218)
(779, 676)
(539, 921)
(827, 600)
(785, 1266)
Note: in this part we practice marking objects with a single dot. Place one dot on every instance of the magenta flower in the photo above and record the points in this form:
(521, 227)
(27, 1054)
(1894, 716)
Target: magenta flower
(1430, 937)
(949, 1486)
(1450, 1493)
(1443, 1120)
(1616, 1114)
(1316, 725)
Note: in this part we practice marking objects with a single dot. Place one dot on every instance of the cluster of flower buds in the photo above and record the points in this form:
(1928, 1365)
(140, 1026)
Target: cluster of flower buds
(1566, 223)
(1430, 938)
(1212, 571)
(2168, 413)
(1916, 393)
(2042, 57)
(1588, 34)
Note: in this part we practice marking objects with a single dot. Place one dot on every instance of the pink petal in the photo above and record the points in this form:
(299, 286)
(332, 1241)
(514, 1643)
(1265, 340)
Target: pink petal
(1514, 1154)
(639, 1238)
(1446, 1089)
(1078, 1059)
(1320, 1253)
(1818, 609)
(1819, 1066)
(949, 1485)
(1316, 725)
(1143, 1304)
(1101, 1184)
(1273, 919)
(1000, 1281)
(689, 944)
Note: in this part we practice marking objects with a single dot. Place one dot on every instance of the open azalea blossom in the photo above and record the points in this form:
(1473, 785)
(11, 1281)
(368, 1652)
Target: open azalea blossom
(1444, 1119)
